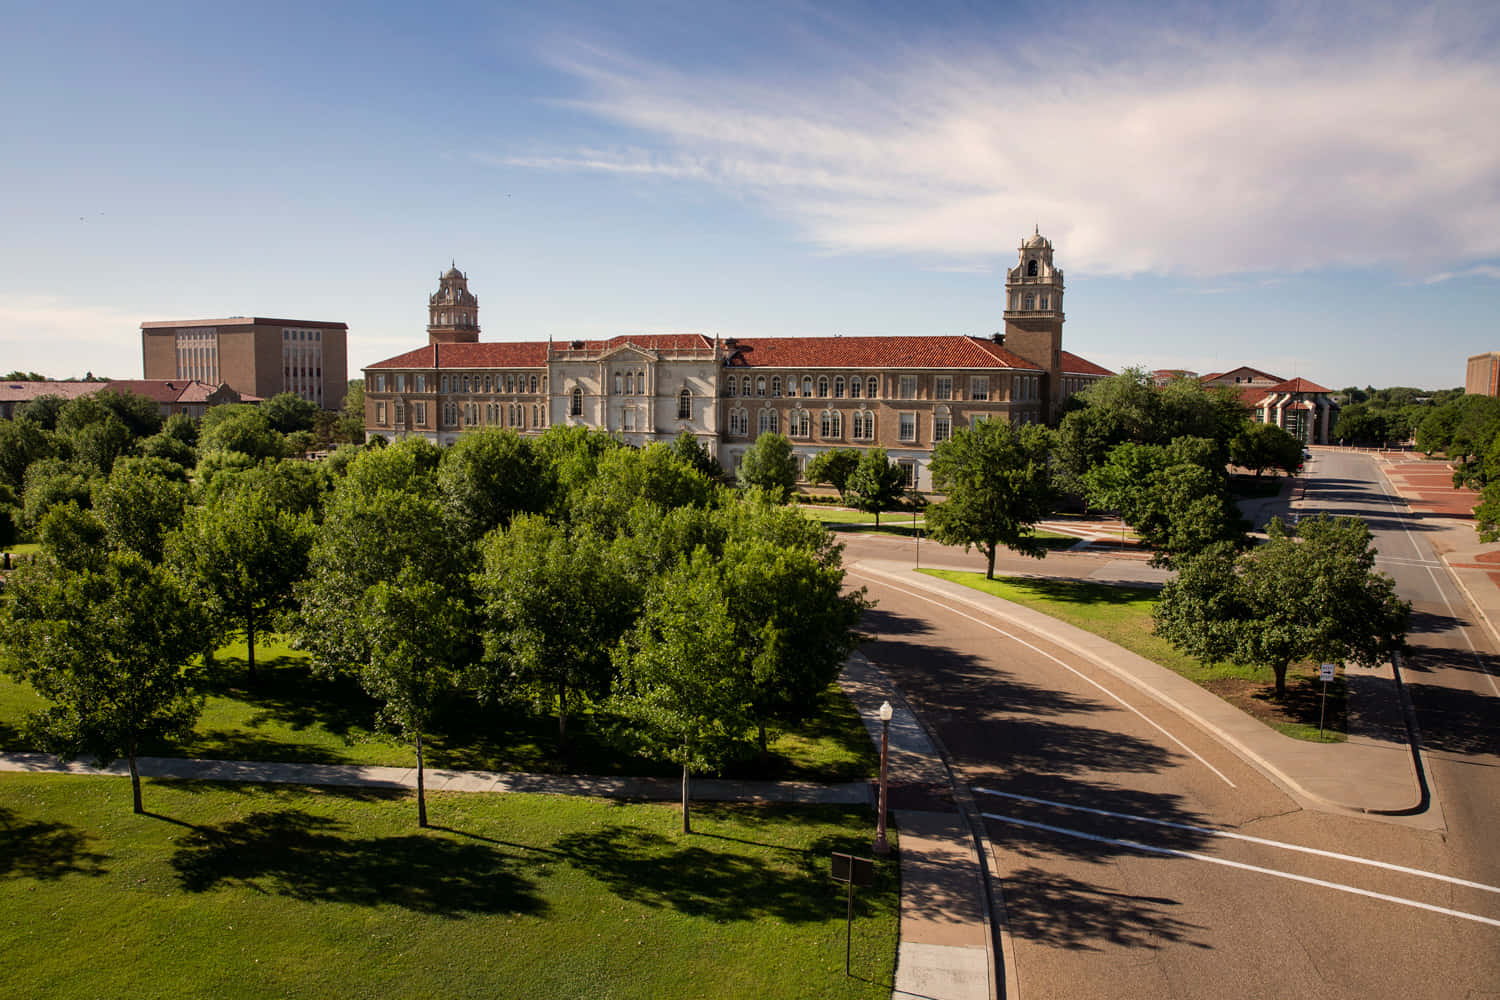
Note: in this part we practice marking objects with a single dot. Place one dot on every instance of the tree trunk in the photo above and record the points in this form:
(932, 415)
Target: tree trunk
(135, 784)
(250, 644)
(1280, 670)
(421, 790)
(765, 756)
(562, 716)
(989, 569)
(687, 827)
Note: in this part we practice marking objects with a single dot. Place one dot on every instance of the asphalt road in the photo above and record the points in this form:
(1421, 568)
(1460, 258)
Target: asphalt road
(1155, 899)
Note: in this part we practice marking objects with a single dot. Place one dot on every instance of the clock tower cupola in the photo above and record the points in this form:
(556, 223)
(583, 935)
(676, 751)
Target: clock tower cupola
(453, 311)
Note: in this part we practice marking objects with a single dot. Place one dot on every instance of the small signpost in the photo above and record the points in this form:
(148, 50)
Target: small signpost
(851, 871)
(1325, 672)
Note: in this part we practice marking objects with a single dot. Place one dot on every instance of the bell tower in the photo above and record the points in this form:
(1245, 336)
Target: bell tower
(452, 311)
(1034, 316)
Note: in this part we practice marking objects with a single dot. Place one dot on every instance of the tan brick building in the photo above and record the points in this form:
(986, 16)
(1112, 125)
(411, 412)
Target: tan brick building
(1483, 376)
(906, 393)
(255, 355)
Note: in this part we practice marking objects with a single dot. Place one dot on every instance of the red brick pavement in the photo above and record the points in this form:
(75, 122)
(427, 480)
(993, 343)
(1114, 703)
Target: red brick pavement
(1428, 487)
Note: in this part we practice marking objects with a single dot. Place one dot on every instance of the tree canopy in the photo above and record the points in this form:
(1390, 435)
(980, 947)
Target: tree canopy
(997, 484)
(769, 465)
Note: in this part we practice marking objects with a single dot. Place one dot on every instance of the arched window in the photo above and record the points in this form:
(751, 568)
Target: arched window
(630, 383)
(776, 386)
(768, 422)
(510, 383)
(730, 385)
(577, 407)
(832, 424)
(684, 404)
(745, 386)
(791, 385)
(823, 386)
(855, 385)
(799, 424)
(838, 387)
(533, 383)
(807, 385)
(1031, 268)
(619, 383)
(760, 386)
(871, 386)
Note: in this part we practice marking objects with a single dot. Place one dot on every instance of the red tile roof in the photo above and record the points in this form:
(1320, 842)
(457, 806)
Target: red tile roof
(1072, 364)
(1250, 372)
(498, 354)
(874, 352)
(1297, 385)
(18, 392)
(307, 324)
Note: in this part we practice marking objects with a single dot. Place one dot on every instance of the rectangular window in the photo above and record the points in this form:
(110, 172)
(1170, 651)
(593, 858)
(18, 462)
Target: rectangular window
(401, 383)
(421, 383)
(629, 419)
(979, 387)
(420, 412)
(908, 427)
(908, 473)
(942, 428)
(400, 414)
(942, 387)
(908, 388)
(380, 383)
(380, 414)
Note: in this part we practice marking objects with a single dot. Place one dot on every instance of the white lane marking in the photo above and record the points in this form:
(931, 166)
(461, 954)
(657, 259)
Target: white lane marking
(1306, 879)
(1015, 638)
(1212, 832)
(1452, 613)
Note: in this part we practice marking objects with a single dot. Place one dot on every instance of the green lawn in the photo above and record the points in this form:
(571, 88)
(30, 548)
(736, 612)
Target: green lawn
(1123, 616)
(253, 891)
(289, 714)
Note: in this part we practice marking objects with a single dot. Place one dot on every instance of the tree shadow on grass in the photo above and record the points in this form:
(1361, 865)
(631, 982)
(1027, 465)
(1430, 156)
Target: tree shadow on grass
(39, 849)
(313, 859)
(287, 691)
(704, 880)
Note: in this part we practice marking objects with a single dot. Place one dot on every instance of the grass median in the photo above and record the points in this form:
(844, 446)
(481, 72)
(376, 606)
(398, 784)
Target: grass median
(1123, 616)
(258, 891)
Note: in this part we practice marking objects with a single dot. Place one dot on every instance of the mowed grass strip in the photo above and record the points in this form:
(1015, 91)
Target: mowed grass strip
(290, 714)
(1123, 616)
(258, 891)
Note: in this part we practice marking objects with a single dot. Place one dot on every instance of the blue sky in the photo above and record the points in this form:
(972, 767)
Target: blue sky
(1309, 189)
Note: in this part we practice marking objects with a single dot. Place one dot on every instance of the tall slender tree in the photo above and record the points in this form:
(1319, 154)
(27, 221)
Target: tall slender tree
(997, 485)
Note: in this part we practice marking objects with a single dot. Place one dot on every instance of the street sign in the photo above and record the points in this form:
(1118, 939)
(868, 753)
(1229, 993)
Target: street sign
(1325, 672)
(848, 868)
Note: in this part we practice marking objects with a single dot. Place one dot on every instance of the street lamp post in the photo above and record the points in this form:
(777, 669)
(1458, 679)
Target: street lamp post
(881, 847)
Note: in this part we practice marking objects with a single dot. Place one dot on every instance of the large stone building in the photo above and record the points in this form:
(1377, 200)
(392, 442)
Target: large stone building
(1298, 406)
(256, 356)
(1483, 375)
(903, 393)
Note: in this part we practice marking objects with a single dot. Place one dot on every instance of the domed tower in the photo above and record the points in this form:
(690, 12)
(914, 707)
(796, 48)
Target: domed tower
(1034, 315)
(453, 311)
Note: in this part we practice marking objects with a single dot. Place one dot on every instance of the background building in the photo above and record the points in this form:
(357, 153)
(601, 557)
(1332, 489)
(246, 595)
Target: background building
(1298, 406)
(254, 355)
(170, 395)
(1483, 377)
(906, 394)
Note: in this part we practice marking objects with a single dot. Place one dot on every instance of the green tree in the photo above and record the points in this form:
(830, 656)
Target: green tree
(243, 429)
(110, 648)
(288, 412)
(48, 482)
(1308, 594)
(241, 554)
(627, 476)
(681, 693)
(1174, 496)
(97, 445)
(350, 426)
(418, 634)
(1265, 446)
(140, 502)
(997, 485)
(172, 449)
(487, 477)
(554, 605)
(21, 443)
(876, 484)
(692, 451)
(181, 427)
(834, 467)
(41, 412)
(768, 464)
(73, 536)
(140, 415)
(570, 455)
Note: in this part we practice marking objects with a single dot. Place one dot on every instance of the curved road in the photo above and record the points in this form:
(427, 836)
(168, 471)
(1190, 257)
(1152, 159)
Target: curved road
(1139, 858)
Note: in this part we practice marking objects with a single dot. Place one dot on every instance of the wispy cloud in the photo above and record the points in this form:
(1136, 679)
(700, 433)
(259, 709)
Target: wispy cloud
(1478, 271)
(1277, 147)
